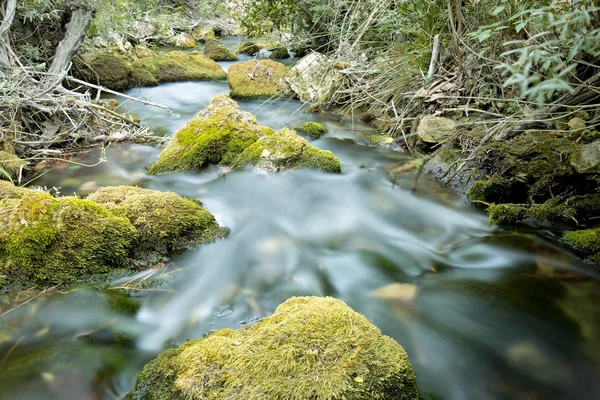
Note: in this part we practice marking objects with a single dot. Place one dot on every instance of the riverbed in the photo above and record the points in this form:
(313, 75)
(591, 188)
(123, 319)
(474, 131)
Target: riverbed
(483, 312)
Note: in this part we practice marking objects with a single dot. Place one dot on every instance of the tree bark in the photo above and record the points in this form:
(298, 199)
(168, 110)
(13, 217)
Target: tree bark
(6, 54)
(68, 46)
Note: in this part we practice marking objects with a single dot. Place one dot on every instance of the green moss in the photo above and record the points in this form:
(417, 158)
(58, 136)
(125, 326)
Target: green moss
(488, 190)
(279, 53)
(311, 348)
(164, 221)
(216, 135)
(255, 79)
(180, 66)
(284, 149)
(215, 50)
(140, 76)
(48, 240)
(250, 48)
(587, 241)
(10, 191)
(314, 130)
(10, 165)
(505, 214)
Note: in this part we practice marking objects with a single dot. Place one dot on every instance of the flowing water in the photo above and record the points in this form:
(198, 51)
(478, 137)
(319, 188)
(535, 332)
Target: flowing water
(483, 313)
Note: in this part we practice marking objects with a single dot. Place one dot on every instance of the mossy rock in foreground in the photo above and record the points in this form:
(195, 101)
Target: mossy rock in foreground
(216, 51)
(53, 240)
(255, 79)
(164, 221)
(586, 241)
(311, 348)
(224, 134)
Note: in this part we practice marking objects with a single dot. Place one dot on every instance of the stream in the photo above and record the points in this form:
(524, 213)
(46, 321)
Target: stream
(483, 312)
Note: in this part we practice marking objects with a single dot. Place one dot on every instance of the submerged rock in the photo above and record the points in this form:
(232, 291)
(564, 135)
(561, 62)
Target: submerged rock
(255, 79)
(215, 50)
(184, 41)
(314, 79)
(224, 134)
(164, 221)
(47, 240)
(434, 129)
(310, 348)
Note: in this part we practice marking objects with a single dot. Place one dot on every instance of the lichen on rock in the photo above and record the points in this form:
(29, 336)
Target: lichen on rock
(310, 348)
(216, 51)
(164, 221)
(224, 134)
(255, 79)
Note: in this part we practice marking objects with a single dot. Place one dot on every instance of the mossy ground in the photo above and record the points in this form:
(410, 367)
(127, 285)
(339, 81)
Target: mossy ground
(164, 221)
(255, 79)
(313, 130)
(311, 348)
(216, 51)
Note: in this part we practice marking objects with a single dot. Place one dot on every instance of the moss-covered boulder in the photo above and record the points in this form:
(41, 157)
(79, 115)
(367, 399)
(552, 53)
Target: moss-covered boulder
(587, 241)
(313, 130)
(10, 191)
(279, 53)
(255, 79)
(10, 165)
(215, 50)
(110, 70)
(250, 48)
(177, 66)
(284, 149)
(224, 134)
(53, 240)
(184, 41)
(164, 221)
(311, 348)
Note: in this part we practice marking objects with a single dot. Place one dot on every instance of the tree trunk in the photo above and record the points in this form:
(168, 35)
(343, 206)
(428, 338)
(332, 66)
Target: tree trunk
(68, 46)
(6, 55)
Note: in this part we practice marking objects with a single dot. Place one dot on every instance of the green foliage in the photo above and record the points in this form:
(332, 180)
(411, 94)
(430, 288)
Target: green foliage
(39, 11)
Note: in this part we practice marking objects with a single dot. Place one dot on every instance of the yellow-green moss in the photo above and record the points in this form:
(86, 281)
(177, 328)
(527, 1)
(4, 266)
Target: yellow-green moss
(279, 53)
(314, 130)
(10, 165)
(10, 191)
(164, 221)
(250, 48)
(215, 50)
(311, 348)
(180, 66)
(140, 76)
(53, 240)
(255, 79)
(284, 149)
(587, 240)
(218, 134)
